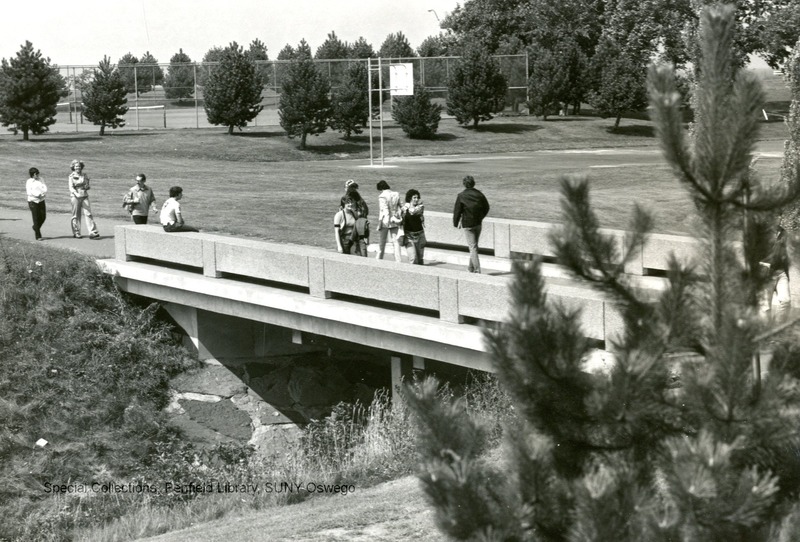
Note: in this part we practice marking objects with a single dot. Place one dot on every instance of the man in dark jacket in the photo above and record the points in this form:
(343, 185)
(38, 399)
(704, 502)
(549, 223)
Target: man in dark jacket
(468, 214)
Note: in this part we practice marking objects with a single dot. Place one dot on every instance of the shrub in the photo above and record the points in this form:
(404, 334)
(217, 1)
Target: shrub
(417, 115)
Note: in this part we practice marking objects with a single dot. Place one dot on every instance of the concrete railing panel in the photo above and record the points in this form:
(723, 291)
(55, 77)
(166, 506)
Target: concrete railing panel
(154, 243)
(261, 260)
(657, 250)
(439, 229)
(382, 281)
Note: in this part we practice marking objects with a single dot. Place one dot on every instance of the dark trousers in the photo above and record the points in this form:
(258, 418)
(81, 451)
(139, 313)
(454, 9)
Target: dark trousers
(176, 228)
(139, 219)
(357, 248)
(39, 215)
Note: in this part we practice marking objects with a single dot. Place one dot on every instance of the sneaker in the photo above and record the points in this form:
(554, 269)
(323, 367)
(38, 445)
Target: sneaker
(94, 236)
(77, 236)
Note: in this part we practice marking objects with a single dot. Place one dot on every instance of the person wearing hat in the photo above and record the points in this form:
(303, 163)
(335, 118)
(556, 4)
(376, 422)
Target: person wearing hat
(139, 199)
(78, 183)
(36, 190)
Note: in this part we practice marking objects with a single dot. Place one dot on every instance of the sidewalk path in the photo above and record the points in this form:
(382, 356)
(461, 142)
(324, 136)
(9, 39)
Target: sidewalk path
(16, 224)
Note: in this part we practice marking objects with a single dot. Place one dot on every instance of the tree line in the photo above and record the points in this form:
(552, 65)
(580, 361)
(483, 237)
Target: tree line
(579, 51)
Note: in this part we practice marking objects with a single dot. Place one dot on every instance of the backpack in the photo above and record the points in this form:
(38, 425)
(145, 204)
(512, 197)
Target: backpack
(361, 229)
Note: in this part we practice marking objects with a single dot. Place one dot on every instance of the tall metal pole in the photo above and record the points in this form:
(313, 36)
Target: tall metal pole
(196, 105)
(380, 102)
(136, 90)
(75, 96)
(369, 89)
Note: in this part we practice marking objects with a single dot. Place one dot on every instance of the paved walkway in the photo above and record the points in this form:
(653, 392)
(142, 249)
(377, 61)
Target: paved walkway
(16, 224)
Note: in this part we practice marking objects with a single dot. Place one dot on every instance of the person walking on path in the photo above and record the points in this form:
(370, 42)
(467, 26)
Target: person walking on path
(36, 190)
(78, 183)
(470, 209)
(414, 227)
(171, 217)
(389, 220)
(139, 200)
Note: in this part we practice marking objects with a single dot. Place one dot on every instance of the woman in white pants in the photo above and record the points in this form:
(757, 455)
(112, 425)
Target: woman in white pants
(79, 196)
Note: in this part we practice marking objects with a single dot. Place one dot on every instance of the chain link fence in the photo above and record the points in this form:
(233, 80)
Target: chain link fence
(171, 95)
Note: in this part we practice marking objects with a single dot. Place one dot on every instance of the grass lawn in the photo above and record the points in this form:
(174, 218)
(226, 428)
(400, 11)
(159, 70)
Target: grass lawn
(258, 183)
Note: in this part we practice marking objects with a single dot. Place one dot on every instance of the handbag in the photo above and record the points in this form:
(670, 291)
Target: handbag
(401, 236)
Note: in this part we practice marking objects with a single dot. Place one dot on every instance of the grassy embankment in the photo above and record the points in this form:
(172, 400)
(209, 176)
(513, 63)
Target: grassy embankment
(86, 368)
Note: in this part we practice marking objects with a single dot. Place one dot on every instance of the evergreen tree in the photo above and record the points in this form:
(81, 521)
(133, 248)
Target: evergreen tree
(417, 115)
(790, 169)
(257, 53)
(29, 92)
(104, 99)
(351, 102)
(128, 71)
(305, 105)
(233, 90)
(396, 46)
(148, 73)
(332, 48)
(179, 83)
(210, 63)
(620, 456)
(546, 84)
(476, 89)
(361, 48)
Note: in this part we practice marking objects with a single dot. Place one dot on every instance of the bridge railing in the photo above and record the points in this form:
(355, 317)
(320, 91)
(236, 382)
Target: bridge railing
(451, 295)
(507, 238)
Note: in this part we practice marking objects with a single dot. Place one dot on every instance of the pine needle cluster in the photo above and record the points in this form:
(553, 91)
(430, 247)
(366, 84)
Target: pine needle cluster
(683, 439)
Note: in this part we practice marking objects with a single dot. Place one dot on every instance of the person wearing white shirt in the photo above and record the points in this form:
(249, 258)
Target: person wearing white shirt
(36, 190)
(171, 217)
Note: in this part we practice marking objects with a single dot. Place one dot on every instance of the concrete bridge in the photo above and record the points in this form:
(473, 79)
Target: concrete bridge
(239, 297)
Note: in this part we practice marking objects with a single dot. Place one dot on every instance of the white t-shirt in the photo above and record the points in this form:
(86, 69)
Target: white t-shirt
(170, 212)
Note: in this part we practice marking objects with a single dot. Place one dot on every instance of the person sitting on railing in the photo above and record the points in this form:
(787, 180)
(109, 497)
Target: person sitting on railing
(171, 217)
(414, 227)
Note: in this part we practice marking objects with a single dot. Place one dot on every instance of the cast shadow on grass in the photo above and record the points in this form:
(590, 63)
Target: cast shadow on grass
(57, 139)
(505, 128)
(638, 131)
(259, 135)
(343, 148)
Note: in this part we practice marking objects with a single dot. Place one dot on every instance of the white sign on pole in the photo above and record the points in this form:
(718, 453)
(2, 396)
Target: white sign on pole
(401, 79)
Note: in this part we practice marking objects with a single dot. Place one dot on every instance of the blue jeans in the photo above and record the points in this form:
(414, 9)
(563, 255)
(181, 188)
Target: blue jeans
(415, 247)
(472, 235)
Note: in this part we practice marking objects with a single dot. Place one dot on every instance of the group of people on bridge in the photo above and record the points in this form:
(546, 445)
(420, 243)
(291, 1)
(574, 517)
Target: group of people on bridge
(403, 224)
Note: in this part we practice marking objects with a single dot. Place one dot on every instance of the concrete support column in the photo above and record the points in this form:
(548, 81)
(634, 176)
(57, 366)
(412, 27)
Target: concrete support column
(119, 244)
(402, 370)
(502, 240)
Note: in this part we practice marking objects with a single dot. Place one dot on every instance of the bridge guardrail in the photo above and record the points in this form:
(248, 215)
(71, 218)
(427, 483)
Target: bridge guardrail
(452, 294)
(509, 237)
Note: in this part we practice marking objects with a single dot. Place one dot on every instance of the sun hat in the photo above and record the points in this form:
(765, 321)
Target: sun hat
(350, 183)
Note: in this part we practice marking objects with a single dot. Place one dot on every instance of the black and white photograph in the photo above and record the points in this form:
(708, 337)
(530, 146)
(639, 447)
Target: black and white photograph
(433, 270)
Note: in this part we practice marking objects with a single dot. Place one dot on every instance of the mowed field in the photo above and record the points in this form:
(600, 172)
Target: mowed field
(258, 183)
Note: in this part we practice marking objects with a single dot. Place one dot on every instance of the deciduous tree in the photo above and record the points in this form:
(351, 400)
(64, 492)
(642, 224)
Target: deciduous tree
(233, 90)
(30, 88)
(105, 98)
(621, 83)
(477, 89)
(305, 104)
(623, 455)
(179, 83)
